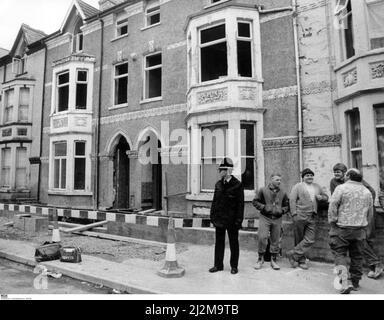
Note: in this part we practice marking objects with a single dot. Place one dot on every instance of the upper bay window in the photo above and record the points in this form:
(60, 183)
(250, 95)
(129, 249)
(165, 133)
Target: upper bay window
(81, 89)
(375, 18)
(9, 103)
(121, 84)
(79, 165)
(244, 49)
(24, 104)
(344, 15)
(153, 76)
(63, 91)
(213, 53)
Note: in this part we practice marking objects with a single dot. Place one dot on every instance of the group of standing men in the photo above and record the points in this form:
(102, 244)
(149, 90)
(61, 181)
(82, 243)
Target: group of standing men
(351, 217)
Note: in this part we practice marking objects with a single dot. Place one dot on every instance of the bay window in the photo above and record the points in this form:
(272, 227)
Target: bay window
(6, 167)
(355, 148)
(79, 165)
(244, 49)
(81, 89)
(60, 165)
(24, 104)
(63, 91)
(248, 155)
(9, 105)
(375, 18)
(21, 168)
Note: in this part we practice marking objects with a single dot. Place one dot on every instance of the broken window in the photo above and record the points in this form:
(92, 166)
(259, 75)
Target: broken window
(343, 13)
(375, 18)
(121, 84)
(60, 165)
(122, 27)
(213, 151)
(63, 91)
(9, 105)
(81, 89)
(21, 168)
(153, 15)
(6, 167)
(153, 76)
(248, 155)
(24, 104)
(355, 138)
(213, 53)
(79, 171)
(244, 49)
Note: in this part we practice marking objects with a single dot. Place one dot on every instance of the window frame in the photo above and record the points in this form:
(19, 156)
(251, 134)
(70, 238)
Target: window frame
(117, 78)
(353, 150)
(28, 106)
(253, 124)
(9, 119)
(146, 77)
(4, 186)
(245, 39)
(208, 44)
(58, 86)
(77, 82)
(75, 156)
(60, 158)
(120, 23)
(202, 158)
(25, 167)
(155, 9)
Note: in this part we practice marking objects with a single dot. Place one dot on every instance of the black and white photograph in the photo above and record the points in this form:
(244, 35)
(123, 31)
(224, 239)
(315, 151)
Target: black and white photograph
(191, 149)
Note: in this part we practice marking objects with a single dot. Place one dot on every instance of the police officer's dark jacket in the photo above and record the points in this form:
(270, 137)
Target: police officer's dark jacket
(227, 210)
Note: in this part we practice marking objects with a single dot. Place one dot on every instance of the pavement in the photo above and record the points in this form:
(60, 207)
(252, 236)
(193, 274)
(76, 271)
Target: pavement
(139, 276)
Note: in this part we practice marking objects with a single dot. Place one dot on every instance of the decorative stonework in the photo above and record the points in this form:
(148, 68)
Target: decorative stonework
(74, 58)
(154, 112)
(81, 122)
(308, 142)
(6, 132)
(280, 93)
(247, 93)
(177, 45)
(212, 96)
(133, 154)
(318, 87)
(377, 70)
(350, 78)
(60, 123)
(151, 46)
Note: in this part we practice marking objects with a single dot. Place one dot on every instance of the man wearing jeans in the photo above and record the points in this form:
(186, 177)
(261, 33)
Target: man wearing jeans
(273, 203)
(303, 203)
(350, 209)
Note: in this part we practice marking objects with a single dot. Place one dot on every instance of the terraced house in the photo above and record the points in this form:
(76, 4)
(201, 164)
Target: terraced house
(132, 85)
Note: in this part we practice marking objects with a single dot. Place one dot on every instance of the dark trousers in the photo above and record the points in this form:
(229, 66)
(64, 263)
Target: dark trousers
(233, 235)
(269, 228)
(344, 240)
(370, 256)
(304, 233)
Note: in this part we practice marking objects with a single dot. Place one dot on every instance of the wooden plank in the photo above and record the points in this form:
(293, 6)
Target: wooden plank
(86, 227)
(8, 224)
(147, 211)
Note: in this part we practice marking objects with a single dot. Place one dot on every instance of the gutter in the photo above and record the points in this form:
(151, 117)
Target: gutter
(97, 125)
(42, 120)
(299, 96)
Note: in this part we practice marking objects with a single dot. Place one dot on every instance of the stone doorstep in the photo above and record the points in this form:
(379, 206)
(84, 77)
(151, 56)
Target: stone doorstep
(133, 218)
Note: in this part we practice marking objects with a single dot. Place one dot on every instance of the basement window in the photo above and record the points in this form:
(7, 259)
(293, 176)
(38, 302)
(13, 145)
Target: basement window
(79, 170)
(63, 91)
(81, 89)
(121, 84)
(244, 49)
(153, 76)
(213, 53)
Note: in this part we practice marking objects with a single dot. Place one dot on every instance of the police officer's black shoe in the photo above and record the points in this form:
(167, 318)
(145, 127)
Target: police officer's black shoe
(234, 270)
(215, 269)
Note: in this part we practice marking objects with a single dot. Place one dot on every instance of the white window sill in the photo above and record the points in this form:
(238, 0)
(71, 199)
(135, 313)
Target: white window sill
(119, 106)
(120, 37)
(151, 26)
(69, 193)
(151, 100)
(215, 4)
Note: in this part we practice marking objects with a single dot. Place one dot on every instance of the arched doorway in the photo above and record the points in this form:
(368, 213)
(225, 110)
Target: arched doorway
(151, 172)
(121, 174)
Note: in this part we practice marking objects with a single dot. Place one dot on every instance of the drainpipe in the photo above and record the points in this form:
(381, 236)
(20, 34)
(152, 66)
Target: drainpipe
(41, 122)
(299, 97)
(97, 125)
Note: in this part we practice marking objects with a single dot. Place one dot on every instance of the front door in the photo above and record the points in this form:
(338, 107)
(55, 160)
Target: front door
(121, 175)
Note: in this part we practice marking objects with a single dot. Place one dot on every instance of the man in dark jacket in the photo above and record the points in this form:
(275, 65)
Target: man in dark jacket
(371, 257)
(273, 203)
(227, 213)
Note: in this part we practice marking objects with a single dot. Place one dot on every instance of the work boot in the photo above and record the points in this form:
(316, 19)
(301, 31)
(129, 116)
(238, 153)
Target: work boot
(376, 272)
(292, 261)
(260, 261)
(274, 264)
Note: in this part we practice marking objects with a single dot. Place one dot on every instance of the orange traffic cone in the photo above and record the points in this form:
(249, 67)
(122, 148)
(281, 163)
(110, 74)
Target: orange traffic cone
(55, 231)
(171, 268)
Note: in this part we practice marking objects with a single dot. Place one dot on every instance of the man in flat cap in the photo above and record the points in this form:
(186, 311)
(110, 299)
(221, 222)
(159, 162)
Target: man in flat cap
(371, 257)
(227, 213)
(303, 202)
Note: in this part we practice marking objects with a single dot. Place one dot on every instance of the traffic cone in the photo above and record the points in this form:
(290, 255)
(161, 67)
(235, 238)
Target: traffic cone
(55, 231)
(171, 268)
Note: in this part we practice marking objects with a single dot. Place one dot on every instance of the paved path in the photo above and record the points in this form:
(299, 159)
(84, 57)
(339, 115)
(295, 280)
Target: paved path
(19, 279)
(139, 275)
